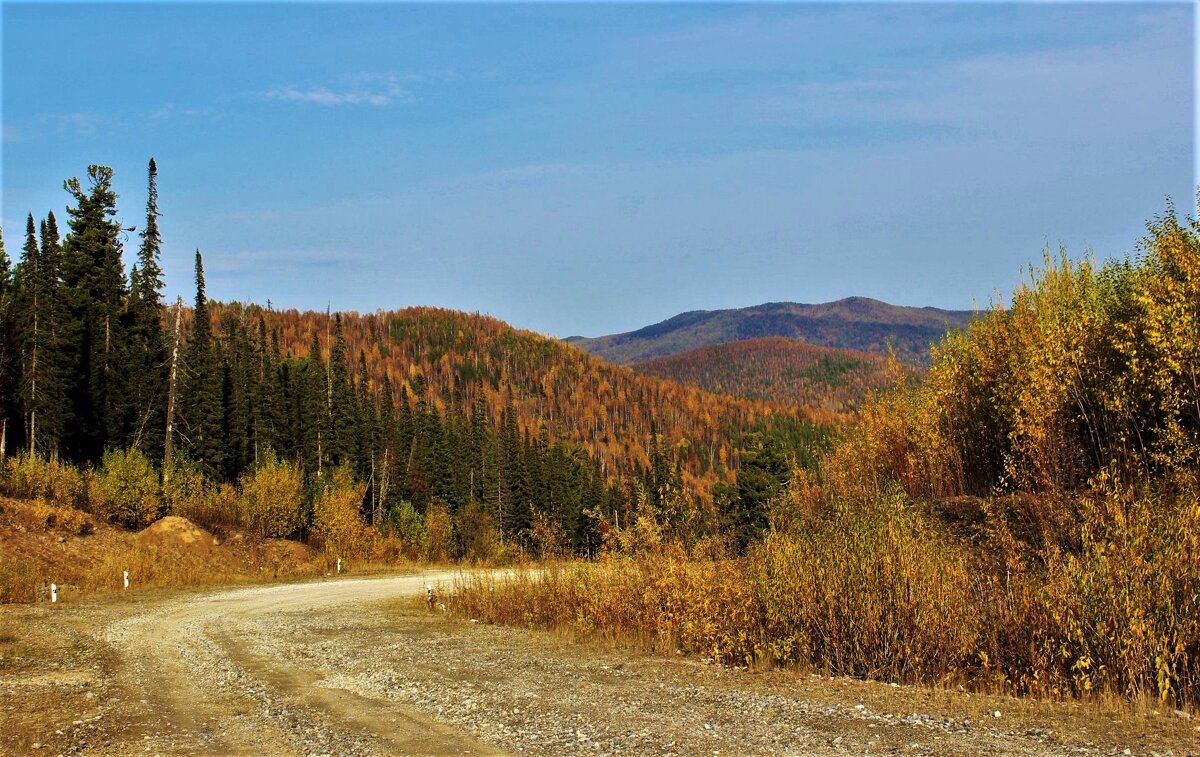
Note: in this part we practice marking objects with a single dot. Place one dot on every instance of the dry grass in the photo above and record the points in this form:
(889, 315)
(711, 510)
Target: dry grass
(883, 592)
(41, 544)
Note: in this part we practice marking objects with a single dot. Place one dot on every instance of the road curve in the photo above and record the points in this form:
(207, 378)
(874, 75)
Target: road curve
(211, 681)
(359, 667)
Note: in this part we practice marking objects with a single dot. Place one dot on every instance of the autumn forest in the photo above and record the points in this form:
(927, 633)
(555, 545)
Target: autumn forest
(1014, 510)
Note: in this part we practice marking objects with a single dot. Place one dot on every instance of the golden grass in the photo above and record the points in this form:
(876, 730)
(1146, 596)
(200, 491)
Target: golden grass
(882, 592)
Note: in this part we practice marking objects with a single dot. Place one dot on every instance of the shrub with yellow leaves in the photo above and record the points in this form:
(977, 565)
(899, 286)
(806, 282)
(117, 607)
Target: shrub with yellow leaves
(337, 519)
(271, 498)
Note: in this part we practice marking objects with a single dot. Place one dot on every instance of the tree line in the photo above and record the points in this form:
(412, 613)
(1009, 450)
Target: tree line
(91, 360)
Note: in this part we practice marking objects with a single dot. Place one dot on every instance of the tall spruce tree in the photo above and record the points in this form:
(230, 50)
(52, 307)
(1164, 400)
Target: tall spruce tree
(31, 298)
(313, 401)
(37, 318)
(240, 366)
(202, 412)
(268, 414)
(95, 278)
(5, 270)
(342, 409)
(144, 411)
(8, 352)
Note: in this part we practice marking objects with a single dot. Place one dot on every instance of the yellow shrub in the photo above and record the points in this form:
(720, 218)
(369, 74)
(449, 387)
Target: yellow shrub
(477, 533)
(439, 533)
(30, 476)
(126, 489)
(337, 521)
(188, 494)
(271, 498)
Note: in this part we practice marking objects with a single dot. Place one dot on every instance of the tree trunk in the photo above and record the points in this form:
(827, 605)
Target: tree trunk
(172, 392)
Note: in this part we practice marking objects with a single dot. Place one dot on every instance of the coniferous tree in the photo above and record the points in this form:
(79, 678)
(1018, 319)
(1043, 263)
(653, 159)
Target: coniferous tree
(37, 317)
(8, 352)
(342, 410)
(237, 396)
(5, 269)
(763, 476)
(144, 411)
(201, 407)
(268, 415)
(314, 410)
(32, 298)
(95, 279)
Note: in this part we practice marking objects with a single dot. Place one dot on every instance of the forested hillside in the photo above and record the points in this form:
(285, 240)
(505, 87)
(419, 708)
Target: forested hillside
(855, 323)
(430, 411)
(779, 370)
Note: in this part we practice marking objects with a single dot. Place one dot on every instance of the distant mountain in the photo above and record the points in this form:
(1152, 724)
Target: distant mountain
(857, 323)
(824, 380)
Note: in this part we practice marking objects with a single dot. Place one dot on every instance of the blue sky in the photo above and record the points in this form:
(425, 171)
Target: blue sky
(586, 169)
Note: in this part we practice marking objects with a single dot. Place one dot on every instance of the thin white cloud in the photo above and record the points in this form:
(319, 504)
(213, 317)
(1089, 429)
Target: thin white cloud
(277, 262)
(79, 124)
(371, 89)
(174, 112)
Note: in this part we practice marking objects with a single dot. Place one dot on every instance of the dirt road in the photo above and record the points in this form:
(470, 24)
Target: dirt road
(359, 666)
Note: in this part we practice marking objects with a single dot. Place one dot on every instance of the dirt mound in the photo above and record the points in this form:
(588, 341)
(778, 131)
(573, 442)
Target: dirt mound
(176, 530)
(288, 551)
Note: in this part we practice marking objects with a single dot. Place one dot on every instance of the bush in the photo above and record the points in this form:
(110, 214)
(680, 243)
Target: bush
(477, 533)
(404, 524)
(1091, 370)
(870, 591)
(337, 521)
(439, 532)
(126, 489)
(272, 498)
(189, 494)
(31, 476)
(66, 519)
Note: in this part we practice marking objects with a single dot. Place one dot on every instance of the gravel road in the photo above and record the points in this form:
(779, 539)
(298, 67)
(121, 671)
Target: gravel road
(361, 667)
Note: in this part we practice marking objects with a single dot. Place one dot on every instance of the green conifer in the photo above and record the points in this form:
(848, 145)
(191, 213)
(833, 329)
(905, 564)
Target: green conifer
(202, 410)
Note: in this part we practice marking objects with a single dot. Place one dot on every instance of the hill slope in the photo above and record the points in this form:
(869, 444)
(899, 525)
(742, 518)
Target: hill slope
(457, 363)
(856, 323)
(777, 369)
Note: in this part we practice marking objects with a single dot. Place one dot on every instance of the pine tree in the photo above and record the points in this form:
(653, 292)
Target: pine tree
(32, 297)
(237, 396)
(144, 410)
(368, 434)
(763, 476)
(5, 270)
(342, 408)
(8, 351)
(268, 413)
(37, 318)
(95, 278)
(201, 407)
(313, 399)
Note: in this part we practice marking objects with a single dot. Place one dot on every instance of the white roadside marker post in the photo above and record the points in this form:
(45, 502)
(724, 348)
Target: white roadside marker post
(339, 565)
(126, 579)
(53, 593)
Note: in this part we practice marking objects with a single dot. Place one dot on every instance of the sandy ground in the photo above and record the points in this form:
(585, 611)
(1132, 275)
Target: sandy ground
(361, 666)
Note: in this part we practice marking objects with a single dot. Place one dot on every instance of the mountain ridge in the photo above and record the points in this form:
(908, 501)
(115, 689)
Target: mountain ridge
(858, 323)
